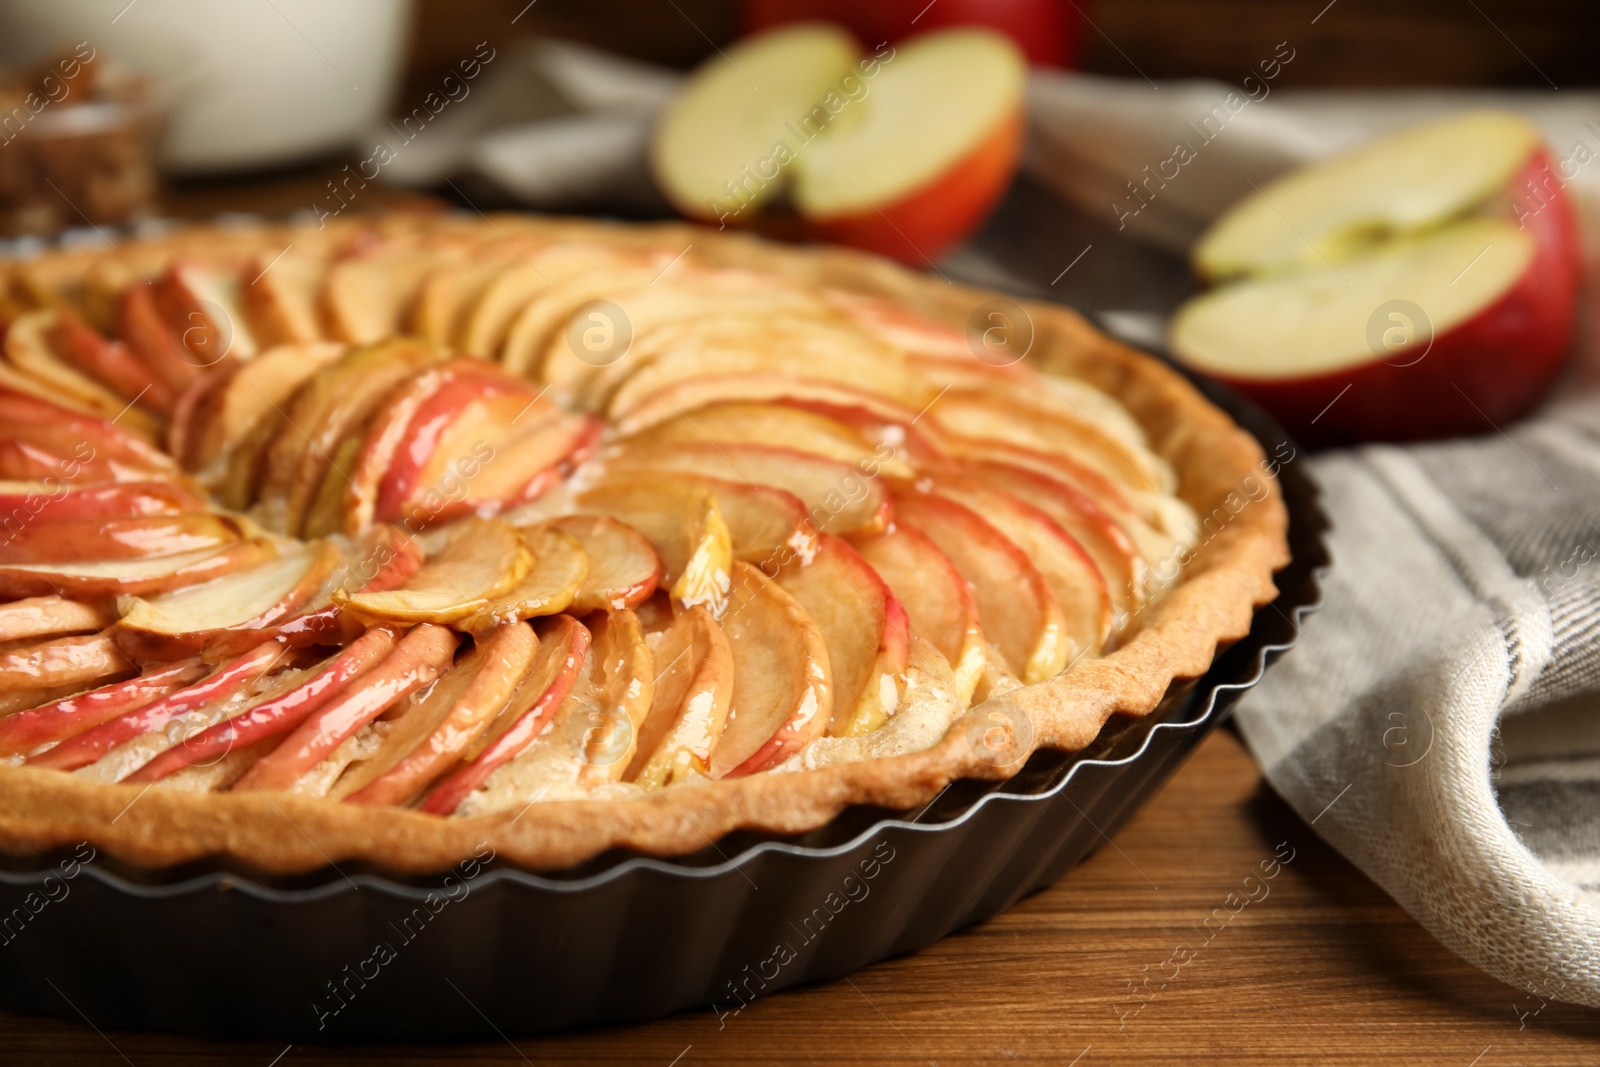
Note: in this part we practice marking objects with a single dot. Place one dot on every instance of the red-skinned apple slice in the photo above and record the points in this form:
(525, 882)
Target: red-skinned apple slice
(28, 350)
(683, 523)
(425, 739)
(937, 600)
(623, 569)
(858, 408)
(1016, 607)
(485, 326)
(420, 657)
(783, 687)
(563, 650)
(203, 304)
(47, 616)
(45, 502)
(559, 568)
(142, 328)
(481, 560)
(276, 715)
(255, 394)
(106, 361)
(126, 537)
(763, 424)
(93, 448)
(26, 731)
(140, 577)
(592, 735)
(60, 661)
(227, 681)
(693, 692)
(864, 627)
(541, 322)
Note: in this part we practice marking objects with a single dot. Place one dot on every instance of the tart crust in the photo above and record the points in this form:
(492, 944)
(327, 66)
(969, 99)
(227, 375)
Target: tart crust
(1173, 638)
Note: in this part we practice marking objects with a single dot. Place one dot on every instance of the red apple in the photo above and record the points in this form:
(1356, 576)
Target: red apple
(1425, 288)
(1047, 31)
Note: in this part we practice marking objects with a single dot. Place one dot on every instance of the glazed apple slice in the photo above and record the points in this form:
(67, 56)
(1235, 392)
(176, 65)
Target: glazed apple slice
(693, 692)
(832, 398)
(563, 650)
(226, 682)
(255, 393)
(280, 300)
(592, 735)
(438, 725)
(27, 731)
(559, 568)
(420, 657)
(203, 305)
(837, 497)
(50, 616)
(97, 450)
(938, 601)
(61, 661)
(1016, 607)
(864, 627)
(783, 686)
(480, 561)
(141, 325)
(623, 569)
(137, 577)
(765, 525)
(28, 350)
(268, 718)
(106, 361)
(49, 502)
(125, 537)
(735, 423)
(248, 601)
(682, 522)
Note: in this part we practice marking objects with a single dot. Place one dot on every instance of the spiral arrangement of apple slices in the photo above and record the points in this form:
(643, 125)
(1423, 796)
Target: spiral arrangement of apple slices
(385, 525)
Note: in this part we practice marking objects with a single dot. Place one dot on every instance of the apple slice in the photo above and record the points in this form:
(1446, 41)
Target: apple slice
(278, 713)
(765, 525)
(541, 324)
(426, 738)
(683, 523)
(248, 601)
(140, 325)
(592, 735)
(689, 708)
(480, 561)
(563, 651)
(838, 400)
(421, 656)
(484, 329)
(106, 361)
(623, 569)
(227, 681)
(26, 731)
(782, 682)
(735, 423)
(937, 600)
(89, 448)
(280, 300)
(365, 296)
(838, 498)
(864, 627)
(451, 290)
(28, 349)
(559, 568)
(255, 394)
(139, 577)
(44, 502)
(125, 537)
(61, 661)
(49, 616)
(1016, 606)
(203, 307)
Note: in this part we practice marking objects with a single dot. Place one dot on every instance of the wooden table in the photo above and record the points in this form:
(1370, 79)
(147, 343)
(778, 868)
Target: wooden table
(1323, 968)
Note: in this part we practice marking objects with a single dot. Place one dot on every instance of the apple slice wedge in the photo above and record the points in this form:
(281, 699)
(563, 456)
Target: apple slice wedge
(765, 525)
(281, 712)
(123, 537)
(106, 361)
(559, 568)
(683, 523)
(141, 326)
(564, 645)
(540, 325)
(426, 738)
(1016, 606)
(864, 627)
(23, 502)
(24, 732)
(202, 304)
(689, 708)
(837, 497)
(122, 577)
(593, 733)
(365, 295)
(734, 423)
(255, 393)
(834, 399)
(28, 350)
(280, 300)
(937, 600)
(450, 291)
(227, 681)
(623, 569)
(783, 685)
(91, 448)
(480, 561)
(420, 656)
(50, 616)
(82, 661)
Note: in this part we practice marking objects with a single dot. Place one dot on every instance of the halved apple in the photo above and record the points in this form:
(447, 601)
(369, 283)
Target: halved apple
(563, 650)
(431, 733)
(683, 522)
(782, 681)
(26, 731)
(228, 681)
(764, 424)
(122, 537)
(550, 584)
(693, 693)
(59, 661)
(421, 656)
(265, 719)
(48, 616)
(623, 569)
(864, 627)
(480, 560)
(138, 577)
(1016, 606)
(937, 599)
(29, 350)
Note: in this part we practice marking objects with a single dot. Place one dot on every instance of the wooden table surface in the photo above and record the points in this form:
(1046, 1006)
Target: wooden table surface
(1109, 966)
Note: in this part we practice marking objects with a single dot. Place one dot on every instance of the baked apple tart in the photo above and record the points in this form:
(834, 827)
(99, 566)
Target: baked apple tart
(394, 538)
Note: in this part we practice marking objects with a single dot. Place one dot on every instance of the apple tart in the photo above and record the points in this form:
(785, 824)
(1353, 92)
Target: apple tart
(398, 537)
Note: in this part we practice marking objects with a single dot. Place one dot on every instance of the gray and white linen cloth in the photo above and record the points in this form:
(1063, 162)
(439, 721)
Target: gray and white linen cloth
(1439, 721)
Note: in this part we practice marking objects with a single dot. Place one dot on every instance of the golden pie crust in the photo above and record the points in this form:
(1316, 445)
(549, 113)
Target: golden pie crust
(1175, 637)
